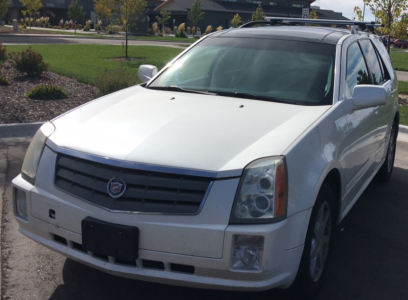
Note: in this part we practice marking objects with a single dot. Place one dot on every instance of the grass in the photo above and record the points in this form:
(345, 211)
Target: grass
(86, 62)
(402, 87)
(399, 60)
(404, 115)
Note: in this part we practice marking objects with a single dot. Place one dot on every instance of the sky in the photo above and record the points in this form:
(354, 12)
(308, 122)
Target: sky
(344, 6)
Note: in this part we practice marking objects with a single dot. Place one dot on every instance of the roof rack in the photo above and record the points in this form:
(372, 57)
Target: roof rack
(356, 25)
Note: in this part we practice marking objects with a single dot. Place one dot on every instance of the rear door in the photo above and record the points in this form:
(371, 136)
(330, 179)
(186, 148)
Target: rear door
(379, 76)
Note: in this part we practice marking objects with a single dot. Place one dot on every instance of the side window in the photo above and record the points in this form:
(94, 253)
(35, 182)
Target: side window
(357, 72)
(377, 72)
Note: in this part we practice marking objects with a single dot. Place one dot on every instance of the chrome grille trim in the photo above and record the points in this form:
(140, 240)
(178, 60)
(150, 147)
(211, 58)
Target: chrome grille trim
(186, 197)
(143, 166)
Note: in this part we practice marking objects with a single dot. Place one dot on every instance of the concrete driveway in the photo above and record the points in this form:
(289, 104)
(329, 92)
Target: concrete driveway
(368, 259)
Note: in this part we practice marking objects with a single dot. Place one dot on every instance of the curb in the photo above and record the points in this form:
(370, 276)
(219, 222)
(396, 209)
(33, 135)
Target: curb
(403, 129)
(19, 130)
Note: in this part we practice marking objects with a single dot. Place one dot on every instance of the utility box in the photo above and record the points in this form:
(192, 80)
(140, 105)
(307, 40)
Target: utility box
(15, 25)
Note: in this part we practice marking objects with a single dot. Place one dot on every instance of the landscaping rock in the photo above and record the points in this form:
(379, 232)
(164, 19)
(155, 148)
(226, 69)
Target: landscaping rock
(15, 107)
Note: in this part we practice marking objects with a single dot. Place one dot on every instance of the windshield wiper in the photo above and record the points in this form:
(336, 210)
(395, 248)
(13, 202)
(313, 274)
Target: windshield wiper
(179, 89)
(252, 96)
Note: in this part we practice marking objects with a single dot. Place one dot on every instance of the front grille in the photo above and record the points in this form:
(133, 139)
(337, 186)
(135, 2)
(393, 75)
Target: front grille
(146, 191)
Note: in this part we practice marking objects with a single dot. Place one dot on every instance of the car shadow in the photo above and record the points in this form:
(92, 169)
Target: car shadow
(82, 282)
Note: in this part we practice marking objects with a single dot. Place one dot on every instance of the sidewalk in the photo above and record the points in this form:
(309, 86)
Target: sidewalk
(402, 76)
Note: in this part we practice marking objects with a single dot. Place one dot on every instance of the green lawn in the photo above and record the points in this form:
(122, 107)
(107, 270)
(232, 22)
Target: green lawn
(399, 60)
(402, 87)
(404, 115)
(86, 62)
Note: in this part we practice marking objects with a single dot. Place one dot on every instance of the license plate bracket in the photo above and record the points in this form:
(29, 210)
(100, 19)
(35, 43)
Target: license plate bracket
(119, 241)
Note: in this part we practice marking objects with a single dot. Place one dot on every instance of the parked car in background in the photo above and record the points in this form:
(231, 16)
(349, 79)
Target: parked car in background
(228, 169)
(401, 44)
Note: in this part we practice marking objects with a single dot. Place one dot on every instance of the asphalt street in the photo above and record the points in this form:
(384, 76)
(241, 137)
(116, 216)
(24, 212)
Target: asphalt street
(368, 257)
(62, 40)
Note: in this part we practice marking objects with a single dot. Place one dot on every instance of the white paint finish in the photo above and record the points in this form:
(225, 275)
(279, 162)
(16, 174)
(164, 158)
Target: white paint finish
(200, 235)
(192, 131)
(214, 134)
(279, 270)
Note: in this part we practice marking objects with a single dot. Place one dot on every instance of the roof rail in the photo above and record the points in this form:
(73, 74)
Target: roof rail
(356, 25)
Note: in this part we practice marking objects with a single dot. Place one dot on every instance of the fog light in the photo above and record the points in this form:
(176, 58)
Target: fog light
(20, 200)
(247, 252)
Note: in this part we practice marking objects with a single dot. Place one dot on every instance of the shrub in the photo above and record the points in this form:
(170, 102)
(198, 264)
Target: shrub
(3, 51)
(4, 81)
(181, 31)
(109, 82)
(98, 26)
(47, 92)
(29, 62)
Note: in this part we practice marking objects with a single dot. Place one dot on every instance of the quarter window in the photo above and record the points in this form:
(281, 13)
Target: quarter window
(377, 72)
(357, 72)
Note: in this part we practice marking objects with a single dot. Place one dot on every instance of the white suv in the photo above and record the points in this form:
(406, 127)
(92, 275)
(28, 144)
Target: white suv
(228, 169)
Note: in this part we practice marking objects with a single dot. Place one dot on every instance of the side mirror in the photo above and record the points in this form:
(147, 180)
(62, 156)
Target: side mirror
(146, 72)
(365, 96)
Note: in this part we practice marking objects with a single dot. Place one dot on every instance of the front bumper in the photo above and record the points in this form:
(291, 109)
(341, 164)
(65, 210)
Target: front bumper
(281, 256)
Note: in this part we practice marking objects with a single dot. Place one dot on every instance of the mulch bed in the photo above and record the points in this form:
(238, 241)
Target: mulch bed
(15, 107)
(403, 99)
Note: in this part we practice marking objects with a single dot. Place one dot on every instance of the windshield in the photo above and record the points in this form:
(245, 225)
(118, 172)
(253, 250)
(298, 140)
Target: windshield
(264, 69)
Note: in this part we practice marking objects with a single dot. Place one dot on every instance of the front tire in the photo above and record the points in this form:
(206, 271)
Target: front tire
(313, 265)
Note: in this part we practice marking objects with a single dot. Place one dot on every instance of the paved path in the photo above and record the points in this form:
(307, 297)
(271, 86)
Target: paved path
(402, 76)
(58, 39)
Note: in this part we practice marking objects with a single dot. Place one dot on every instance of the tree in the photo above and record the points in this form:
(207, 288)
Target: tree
(259, 14)
(129, 12)
(359, 13)
(33, 6)
(164, 17)
(104, 9)
(400, 28)
(313, 16)
(236, 21)
(3, 8)
(75, 12)
(122, 12)
(195, 14)
(388, 12)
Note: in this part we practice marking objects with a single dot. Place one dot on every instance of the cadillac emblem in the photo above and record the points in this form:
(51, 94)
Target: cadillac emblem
(116, 187)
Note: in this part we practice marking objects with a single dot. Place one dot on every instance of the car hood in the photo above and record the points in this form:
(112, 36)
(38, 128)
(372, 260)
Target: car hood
(183, 130)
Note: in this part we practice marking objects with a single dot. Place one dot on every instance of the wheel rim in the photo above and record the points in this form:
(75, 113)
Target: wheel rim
(391, 151)
(319, 247)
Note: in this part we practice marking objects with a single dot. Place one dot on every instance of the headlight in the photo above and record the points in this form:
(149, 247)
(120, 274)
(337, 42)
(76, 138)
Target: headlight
(34, 151)
(262, 192)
